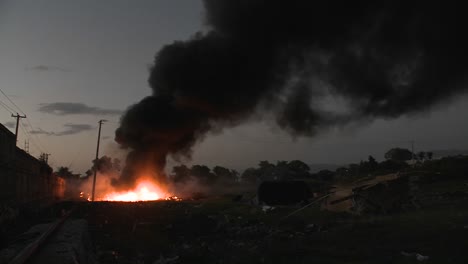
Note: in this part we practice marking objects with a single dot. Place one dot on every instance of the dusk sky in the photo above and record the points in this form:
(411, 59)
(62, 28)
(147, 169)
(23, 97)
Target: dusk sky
(67, 64)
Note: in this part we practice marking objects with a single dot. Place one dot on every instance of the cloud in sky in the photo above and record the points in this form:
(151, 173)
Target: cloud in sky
(67, 108)
(46, 68)
(70, 129)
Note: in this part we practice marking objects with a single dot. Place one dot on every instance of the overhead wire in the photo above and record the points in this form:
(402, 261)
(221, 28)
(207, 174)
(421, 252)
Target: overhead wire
(34, 135)
(9, 109)
(11, 101)
(35, 143)
(79, 152)
(35, 139)
(29, 138)
(88, 138)
(12, 111)
(28, 135)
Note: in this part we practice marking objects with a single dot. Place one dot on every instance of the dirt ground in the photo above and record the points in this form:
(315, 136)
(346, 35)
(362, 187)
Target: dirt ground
(227, 229)
(223, 231)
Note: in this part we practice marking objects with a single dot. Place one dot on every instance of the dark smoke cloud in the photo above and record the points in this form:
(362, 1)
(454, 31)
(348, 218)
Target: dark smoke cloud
(385, 58)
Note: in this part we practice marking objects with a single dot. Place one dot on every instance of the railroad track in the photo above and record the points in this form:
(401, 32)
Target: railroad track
(26, 255)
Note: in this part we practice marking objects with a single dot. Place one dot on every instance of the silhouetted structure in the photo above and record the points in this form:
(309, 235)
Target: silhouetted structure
(24, 180)
(283, 192)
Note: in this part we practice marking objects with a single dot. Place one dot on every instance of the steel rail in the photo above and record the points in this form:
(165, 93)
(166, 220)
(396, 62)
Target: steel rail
(26, 253)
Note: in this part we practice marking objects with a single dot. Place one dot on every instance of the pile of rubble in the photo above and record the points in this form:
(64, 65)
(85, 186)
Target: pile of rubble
(383, 194)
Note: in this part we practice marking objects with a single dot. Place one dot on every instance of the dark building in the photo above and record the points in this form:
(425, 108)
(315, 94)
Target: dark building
(7, 164)
(25, 180)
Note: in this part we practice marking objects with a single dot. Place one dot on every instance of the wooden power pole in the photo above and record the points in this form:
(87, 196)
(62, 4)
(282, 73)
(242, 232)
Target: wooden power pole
(96, 160)
(17, 116)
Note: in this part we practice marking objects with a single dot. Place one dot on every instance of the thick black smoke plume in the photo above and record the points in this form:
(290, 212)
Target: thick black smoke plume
(381, 58)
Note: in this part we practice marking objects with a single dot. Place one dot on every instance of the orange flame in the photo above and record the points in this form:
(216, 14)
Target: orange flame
(144, 191)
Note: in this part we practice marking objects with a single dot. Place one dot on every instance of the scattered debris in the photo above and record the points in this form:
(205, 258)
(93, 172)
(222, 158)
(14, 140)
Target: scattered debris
(382, 194)
(311, 228)
(307, 205)
(186, 246)
(267, 208)
(163, 260)
(418, 256)
(173, 198)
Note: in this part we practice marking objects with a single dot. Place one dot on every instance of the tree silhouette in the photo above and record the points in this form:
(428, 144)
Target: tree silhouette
(181, 173)
(225, 174)
(429, 155)
(250, 175)
(203, 174)
(299, 169)
(398, 154)
(64, 172)
(421, 155)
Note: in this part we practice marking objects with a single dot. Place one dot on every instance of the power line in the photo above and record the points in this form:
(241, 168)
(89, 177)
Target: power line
(113, 122)
(27, 120)
(78, 152)
(33, 135)
(9, 109)
(35, 142)
(13, 103)
(28, 135)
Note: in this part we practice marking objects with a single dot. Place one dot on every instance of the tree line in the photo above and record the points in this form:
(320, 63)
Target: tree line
(395, 159)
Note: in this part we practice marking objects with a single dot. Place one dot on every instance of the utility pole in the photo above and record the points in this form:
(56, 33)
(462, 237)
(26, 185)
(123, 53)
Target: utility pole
(412, 152)
(17, 116)
(46, 156)
(97, 156)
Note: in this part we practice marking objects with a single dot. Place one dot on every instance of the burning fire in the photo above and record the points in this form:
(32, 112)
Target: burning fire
(144, 191)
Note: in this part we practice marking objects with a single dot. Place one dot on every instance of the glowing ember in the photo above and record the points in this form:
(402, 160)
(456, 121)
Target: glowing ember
(173, 198)
(145, 191)
(86, 196)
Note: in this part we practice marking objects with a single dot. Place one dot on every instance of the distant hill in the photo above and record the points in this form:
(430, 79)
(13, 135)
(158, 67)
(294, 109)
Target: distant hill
(448, 152)
(323, 166)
